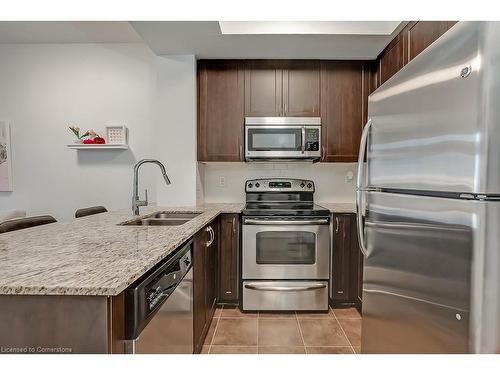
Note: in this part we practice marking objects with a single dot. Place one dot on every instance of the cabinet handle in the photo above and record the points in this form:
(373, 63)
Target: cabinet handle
(336, 224)
(241, 152)
(211, 234)
(234, 225)
(323, 153)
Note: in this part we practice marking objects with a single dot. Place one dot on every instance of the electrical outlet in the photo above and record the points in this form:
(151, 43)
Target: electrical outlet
(222, 181)
(348, 177)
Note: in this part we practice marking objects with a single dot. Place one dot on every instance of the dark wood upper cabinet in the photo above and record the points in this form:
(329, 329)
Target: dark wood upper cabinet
(263, 88)
(415, 37)
(228, 258)
(345, 87)
(282, 88)
(301, 88)
(220, 110)
(393, 58)
(422, 34)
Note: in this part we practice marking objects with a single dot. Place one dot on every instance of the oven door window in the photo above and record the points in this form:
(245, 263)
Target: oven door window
(278, 247)
(274, 139)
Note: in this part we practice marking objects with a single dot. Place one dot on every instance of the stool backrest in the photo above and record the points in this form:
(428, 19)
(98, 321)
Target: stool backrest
(25, 222)
(89, 211)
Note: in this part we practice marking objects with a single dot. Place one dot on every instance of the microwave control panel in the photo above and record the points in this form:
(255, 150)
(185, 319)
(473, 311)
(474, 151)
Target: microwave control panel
(312, 139)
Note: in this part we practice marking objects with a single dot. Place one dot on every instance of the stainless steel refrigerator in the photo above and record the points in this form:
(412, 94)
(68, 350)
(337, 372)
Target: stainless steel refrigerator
(428, 200)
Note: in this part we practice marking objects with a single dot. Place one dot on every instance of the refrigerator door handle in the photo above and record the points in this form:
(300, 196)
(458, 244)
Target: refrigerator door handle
(360, 178)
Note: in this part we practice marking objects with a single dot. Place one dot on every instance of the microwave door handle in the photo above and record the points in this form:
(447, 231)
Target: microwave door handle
(359, 186)
(303, 145)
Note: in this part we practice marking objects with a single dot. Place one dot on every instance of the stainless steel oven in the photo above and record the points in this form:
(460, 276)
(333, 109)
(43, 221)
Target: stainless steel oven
(286, 248)
(282, 138)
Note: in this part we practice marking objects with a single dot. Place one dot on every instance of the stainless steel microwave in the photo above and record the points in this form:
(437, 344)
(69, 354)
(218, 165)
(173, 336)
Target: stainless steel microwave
(282, 138)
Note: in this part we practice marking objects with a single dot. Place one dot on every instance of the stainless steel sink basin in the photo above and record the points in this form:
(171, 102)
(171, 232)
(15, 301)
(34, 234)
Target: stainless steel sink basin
(157, 222)
(164, 218)
(175, 215)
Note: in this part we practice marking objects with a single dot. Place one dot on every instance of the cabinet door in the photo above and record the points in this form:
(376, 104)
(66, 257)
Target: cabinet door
(343, 109)
(211, 272)
(423, 33)
(393, 58)
(199, 288)
(263, 88)
(301, 88)
(228, 258)
(341, 258)
(357, 262)
(220, 110)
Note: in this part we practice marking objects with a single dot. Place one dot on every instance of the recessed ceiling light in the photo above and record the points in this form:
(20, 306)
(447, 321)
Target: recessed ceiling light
(308, 27)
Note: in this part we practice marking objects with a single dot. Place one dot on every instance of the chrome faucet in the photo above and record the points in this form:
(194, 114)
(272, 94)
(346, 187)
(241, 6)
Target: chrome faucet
(136, 202)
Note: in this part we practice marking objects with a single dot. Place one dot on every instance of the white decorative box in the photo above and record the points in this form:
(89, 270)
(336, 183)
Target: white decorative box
(116, 135)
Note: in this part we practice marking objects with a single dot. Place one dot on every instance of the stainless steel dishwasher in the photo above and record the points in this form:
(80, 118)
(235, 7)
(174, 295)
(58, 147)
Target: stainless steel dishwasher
(159, 308)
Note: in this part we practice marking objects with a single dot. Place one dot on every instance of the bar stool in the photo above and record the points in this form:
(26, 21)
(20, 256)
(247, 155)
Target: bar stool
(89, 211)
(25, 222)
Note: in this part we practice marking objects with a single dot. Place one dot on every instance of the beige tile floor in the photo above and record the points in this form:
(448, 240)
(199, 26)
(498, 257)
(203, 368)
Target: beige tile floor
(234, 332)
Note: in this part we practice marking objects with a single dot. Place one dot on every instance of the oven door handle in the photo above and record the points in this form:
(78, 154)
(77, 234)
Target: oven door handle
(285, 288)
(286, 222)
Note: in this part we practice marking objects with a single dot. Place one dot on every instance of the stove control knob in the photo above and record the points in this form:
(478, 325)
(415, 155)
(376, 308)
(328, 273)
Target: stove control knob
(309, 185)
(250, 185)
(257, 185)
(302, 185)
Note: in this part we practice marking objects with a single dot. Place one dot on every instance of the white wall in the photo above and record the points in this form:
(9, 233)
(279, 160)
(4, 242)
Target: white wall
(45, 87)
(175, 124)
(329, 179)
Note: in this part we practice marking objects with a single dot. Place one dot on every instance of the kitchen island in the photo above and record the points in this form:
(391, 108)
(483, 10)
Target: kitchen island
(61, 284)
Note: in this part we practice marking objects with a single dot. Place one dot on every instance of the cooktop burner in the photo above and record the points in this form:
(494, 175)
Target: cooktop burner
(281, 197)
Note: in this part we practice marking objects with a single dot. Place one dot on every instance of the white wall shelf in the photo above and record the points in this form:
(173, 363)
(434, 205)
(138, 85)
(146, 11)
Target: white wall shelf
(79, 146)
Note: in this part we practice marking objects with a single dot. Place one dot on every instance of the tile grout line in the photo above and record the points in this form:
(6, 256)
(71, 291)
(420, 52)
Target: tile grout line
(342, 328)
(300, 330)
(258, 324)
(215, 331)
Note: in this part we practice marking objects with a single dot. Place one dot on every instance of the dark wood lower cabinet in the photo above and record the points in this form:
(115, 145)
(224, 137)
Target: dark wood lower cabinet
(347, 263)
(204, 281)
(228, 258)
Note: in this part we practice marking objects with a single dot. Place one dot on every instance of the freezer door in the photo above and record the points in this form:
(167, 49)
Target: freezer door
(417, 275)
(435, 122)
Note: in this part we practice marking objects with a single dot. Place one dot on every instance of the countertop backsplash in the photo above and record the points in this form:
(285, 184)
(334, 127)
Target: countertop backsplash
(224, 182)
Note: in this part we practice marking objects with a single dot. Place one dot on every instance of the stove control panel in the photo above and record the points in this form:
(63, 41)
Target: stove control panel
(279, 184)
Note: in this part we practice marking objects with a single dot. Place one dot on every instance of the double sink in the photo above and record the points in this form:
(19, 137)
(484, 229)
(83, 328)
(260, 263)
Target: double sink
(164, 218)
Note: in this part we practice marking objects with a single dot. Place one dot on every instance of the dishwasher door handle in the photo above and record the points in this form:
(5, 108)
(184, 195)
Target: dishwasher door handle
(285, 288)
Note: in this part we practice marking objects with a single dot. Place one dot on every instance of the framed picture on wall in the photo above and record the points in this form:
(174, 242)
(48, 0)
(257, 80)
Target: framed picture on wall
(5, 157)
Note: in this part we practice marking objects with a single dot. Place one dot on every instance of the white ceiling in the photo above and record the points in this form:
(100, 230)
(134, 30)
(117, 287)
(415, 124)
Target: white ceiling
(309, 27)
(68, 32)
(319, 40)
(205, 40)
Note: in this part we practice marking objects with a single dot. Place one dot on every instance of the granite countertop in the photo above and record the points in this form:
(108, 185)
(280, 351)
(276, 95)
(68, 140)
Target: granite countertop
(93, 255)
